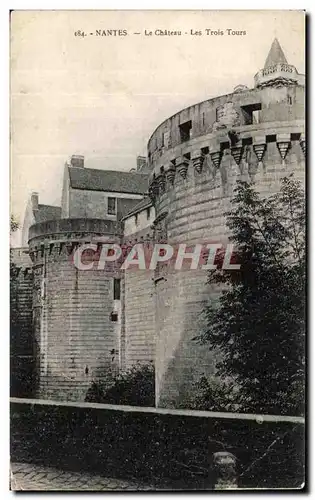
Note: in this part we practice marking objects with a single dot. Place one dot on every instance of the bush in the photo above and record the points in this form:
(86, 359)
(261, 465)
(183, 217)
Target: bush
(214, 394)
(134, 387)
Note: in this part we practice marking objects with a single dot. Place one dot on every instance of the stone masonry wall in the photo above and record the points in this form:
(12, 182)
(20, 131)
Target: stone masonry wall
(22, 359)
(22, 368)
(277, 105)
(140, 317)
(139, 308)
(87, 203)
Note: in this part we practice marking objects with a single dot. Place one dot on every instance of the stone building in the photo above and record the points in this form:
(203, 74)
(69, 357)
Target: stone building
(88, 325)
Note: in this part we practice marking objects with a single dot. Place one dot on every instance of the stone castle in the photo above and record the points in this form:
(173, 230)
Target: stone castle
(77, 326)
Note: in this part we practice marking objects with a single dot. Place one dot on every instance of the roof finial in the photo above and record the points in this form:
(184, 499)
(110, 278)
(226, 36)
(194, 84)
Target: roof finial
(275, 55)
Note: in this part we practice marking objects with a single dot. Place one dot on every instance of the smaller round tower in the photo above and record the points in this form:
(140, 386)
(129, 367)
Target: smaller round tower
(76, 316)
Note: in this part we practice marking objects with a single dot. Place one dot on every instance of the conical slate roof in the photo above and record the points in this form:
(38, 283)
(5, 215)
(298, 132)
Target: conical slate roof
(275, 55)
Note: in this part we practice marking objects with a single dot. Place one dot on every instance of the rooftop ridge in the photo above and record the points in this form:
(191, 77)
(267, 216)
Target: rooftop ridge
(108, 170)
(120, 181)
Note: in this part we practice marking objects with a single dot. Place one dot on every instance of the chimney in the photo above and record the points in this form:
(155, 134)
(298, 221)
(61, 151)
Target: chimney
(141, 163)
(77, 161)
(34, 201)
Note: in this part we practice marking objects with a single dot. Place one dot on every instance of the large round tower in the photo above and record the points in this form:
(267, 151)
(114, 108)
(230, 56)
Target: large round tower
(195, 158)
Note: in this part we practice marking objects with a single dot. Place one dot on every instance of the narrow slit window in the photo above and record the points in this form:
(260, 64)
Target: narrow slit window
(116, 289)
(165, 139)
(114, 316)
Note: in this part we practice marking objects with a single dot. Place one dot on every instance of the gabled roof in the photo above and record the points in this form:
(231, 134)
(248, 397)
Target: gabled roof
(276, 55)
(47, 212)
(108, 180)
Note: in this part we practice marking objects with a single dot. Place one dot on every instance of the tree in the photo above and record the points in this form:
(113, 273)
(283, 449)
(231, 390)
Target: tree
(15, 380)
(259, 321)
(135, 387)
(14, 225)
(213, 394)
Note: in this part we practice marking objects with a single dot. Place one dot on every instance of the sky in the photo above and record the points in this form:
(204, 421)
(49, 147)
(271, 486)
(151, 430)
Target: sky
(103, 96)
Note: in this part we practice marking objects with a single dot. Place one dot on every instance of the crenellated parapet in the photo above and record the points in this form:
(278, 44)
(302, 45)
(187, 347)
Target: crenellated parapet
(57, 240)
(21, 271)
(277, 98)
(69, 227)
(247, 151)
(277, 75)
(303, 144)
(276, 101)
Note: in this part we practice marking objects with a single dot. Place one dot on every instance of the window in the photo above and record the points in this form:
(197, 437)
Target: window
(185, 131)
(247, 141)
(271, 138)
(116, 289)
(251, 113)
(114, 316)
(165, 139)
(148, 212)
(205, 150)
(289, 99)
(295, 137)
(136, 219)
(111, 206)
(224, 145)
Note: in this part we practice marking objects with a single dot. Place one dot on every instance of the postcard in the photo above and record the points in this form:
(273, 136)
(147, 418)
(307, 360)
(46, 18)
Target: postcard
(157, 255)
